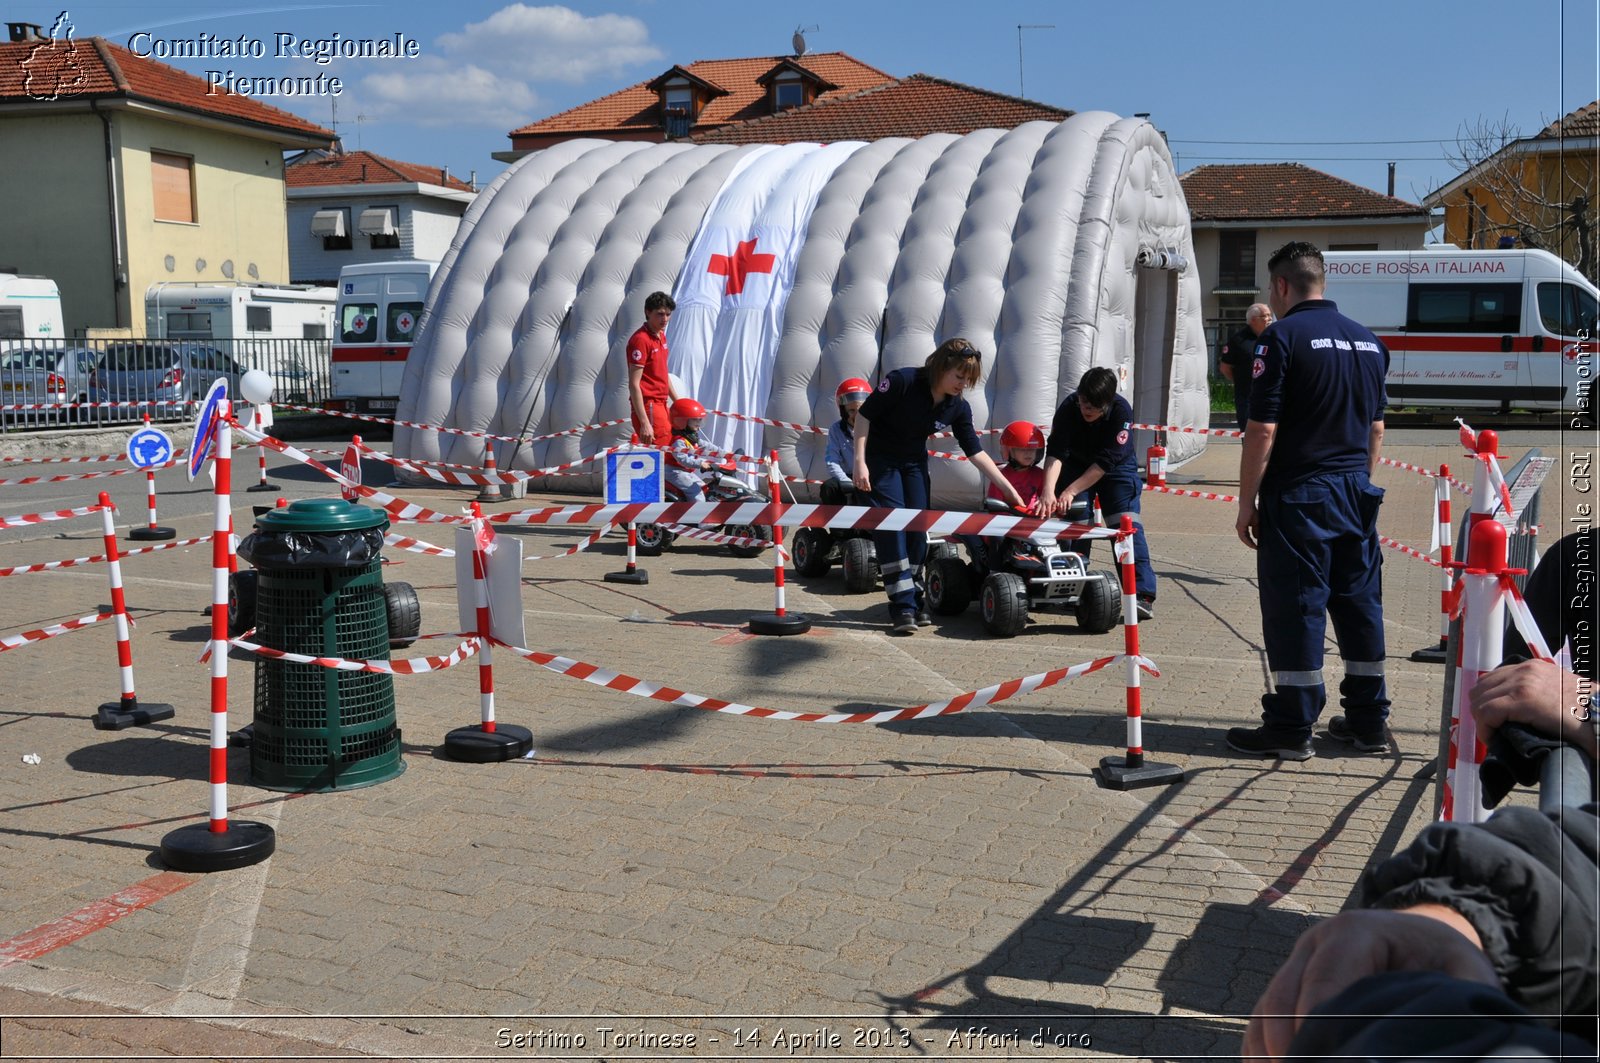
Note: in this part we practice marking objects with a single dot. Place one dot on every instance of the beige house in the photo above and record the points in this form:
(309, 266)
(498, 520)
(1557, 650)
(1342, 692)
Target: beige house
(132, 173)
(1240, 214)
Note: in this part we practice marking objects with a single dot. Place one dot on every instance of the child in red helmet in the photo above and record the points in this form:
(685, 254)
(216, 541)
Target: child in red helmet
(1021, 445)
(685, 459)
(841, 441)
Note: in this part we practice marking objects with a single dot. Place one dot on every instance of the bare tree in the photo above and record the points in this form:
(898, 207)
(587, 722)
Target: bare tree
(1541, 198)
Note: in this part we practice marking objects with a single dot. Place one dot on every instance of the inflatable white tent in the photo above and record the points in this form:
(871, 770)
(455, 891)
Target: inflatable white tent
(1052, 247)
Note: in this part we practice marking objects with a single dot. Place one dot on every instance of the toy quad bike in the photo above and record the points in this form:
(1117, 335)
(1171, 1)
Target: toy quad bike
(816, 549)
(721, 486)
(1038, 572)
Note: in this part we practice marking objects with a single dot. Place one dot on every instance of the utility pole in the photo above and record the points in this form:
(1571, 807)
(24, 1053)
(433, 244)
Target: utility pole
(1022, 89)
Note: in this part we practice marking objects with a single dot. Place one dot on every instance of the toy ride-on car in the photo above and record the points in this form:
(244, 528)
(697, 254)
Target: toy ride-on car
(1012, 576)
(721, 486)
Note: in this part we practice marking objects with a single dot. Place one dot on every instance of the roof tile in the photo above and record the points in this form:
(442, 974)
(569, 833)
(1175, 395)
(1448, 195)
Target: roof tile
(1583, 122)
(1266, 191)
(365, 167)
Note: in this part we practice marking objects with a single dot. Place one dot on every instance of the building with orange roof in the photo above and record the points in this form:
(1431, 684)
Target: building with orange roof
(359, 206)
(136, 174)
(1241, 213)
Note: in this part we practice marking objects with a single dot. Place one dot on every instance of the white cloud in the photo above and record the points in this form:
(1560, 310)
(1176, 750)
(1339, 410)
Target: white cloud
(431, 92)
(552, 43)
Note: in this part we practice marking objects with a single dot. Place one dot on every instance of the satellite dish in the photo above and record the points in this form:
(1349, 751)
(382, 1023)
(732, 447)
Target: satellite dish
(799, 42)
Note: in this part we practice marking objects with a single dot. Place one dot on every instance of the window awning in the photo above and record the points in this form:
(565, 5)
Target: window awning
(377, 222)
(327, 223)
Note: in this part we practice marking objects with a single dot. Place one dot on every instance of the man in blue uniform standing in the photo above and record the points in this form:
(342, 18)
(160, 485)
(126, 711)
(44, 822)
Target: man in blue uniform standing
(1310, 445)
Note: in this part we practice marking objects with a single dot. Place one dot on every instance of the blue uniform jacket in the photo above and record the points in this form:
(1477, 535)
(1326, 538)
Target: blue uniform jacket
(1318, 376)
(903, 416)
(1078, 444)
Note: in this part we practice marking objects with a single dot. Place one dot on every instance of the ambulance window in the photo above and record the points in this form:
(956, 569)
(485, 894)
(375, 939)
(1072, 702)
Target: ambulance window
(1567, 310)
(403, 321)
(1464, 308)
(358, 323)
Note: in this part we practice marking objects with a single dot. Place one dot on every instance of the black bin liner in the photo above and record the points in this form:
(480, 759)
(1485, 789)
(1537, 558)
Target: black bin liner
(278, 550)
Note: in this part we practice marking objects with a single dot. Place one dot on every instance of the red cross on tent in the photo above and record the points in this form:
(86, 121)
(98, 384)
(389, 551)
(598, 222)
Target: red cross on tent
(744, 261)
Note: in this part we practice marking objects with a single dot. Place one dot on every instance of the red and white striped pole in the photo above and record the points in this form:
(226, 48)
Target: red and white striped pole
(125, 712)
(219, 845)
(779, 622)
(488, 741)
(1132, 770)
(480, 593)
(151, 531)
(259, 423)
(1482, 646)
(1441, 487)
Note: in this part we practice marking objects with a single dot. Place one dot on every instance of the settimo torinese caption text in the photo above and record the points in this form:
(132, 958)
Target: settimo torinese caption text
(319, 50)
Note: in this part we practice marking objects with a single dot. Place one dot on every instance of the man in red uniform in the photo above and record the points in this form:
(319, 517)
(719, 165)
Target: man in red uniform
(649, 388)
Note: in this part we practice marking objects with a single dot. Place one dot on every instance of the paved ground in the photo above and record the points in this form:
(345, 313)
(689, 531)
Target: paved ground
(673, 882)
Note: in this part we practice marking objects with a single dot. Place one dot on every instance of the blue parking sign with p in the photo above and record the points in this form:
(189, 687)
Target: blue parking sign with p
(634, 476)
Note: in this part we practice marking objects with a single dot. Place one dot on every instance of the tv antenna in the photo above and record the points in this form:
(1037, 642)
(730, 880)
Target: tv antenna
(799, 39)
(1021, 88)
(359, 119)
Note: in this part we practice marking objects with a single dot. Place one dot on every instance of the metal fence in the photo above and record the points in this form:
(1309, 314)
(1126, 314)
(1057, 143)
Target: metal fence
(89, 383)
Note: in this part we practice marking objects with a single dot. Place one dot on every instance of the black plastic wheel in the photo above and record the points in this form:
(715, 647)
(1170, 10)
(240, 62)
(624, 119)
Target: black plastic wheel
(747, 531)
(241, 602)
(940, 548)
(860, 567)
(949, 592)
(650, 540)
(1005, 604)
(811, 550)
(1099, 606)
(405, 613)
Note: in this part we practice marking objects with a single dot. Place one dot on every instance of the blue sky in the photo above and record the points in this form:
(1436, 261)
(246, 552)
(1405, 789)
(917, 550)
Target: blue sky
(1344, 88)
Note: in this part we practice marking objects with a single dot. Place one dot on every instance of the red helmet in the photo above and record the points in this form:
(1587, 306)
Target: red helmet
(1022, 434)
(853, 390)
(683, 410)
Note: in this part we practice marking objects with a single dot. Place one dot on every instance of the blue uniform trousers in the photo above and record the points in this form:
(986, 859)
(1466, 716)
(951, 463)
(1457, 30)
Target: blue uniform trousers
(900, 554)
(1318, 557)
(1118, 492)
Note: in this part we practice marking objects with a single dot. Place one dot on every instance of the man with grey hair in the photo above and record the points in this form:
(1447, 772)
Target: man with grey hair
(1237, 353)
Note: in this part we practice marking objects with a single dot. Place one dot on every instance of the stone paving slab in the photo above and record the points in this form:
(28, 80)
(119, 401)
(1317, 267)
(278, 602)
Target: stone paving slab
(694, 874)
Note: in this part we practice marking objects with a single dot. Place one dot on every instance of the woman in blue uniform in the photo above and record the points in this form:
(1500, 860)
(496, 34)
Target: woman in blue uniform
(1091, 454)
(891, 461)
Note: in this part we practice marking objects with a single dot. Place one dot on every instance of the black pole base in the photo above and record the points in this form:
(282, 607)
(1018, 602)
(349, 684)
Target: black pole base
(1429, 654)
(120, 715)
(197, 848)
(263, 487)
(474, 745)
(773, 624)
(242, 738)
(149, 534)
(1114, 773)
(636, 576)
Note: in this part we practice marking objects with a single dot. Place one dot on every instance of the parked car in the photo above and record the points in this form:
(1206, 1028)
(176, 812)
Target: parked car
(45, 374)
(170, 374)
(293, 382)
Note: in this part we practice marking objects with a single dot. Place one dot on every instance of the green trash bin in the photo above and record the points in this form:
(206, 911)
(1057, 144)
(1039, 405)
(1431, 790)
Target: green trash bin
(319, 592)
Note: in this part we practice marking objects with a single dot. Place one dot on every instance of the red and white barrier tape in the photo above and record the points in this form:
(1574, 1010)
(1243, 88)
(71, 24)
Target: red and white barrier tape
(25, 519)
(688, 531)
(599, 534)
(1409, 551)
(11, 642)
(61, 461)
(1209, 496)
(450, 431)
(416, 546)
(91, 405)
(974, 699)
(24, 481)
(47, 566)
(413, 666)
(1233, 432)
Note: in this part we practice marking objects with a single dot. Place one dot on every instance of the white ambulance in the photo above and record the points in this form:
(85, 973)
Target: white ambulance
(1504, 329)
(30, 309)
(381, 307)
(238, 312)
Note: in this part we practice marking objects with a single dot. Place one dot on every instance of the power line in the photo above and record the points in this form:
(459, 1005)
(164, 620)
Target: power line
(1310, 143)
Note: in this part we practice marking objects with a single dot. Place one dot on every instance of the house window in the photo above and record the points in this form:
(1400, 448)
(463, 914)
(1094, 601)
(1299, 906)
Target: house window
(677, 103)
(334, 228)
(787, 93)
(1236, 258)
(258, 319)
(172, 185)
(378, 225)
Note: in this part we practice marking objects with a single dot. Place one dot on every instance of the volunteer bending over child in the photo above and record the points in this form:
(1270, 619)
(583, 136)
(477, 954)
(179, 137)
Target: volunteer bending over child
(891, 462)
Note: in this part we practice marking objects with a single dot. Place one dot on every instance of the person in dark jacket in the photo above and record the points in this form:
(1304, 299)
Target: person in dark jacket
(1238, 352)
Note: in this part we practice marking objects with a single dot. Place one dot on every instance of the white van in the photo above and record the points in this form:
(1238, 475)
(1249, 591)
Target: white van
(381, 307)
(30, 309)
(1504, 329)
(238, 312)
